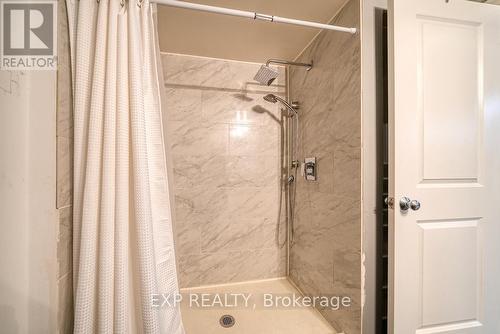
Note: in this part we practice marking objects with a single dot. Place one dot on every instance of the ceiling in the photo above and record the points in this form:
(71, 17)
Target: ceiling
(211, 35)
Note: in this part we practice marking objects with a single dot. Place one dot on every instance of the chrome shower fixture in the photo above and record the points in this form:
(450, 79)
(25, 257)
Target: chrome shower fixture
(271, 98)
(291, 107)
(292, 63)
(266, 75)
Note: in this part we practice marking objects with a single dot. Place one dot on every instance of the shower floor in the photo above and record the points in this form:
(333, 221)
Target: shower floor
(203, 307)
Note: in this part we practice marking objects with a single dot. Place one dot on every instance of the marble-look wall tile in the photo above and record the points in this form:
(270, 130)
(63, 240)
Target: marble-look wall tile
(194, 170)
(316, 131)
(238, 108)
(183, 104)
(253, 140)
(187, 138)
(326, 253)
(216, 74)
(188, 237)
(254, 203)
(344, 163)
(200, 203)
(230, 267)
(251, 171)
(237, 234)
(225, 143)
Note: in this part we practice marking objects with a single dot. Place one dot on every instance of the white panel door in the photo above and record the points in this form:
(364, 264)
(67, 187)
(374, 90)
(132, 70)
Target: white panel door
(444, 123)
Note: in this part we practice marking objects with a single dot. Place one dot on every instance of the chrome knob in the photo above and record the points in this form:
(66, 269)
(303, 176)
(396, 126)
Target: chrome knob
(415, 205)
(404, 203)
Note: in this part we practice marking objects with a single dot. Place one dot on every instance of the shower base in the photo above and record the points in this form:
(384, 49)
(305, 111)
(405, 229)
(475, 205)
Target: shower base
(256, 307)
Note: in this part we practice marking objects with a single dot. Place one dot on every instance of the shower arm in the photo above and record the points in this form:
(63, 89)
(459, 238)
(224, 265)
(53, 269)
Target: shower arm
(285, 62)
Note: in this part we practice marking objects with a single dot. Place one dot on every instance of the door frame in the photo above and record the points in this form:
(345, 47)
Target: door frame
(369, 161)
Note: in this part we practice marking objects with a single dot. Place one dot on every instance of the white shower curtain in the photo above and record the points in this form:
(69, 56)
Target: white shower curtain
(123, 246)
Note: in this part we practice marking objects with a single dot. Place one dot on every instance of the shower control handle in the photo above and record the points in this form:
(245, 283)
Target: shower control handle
(310, 169)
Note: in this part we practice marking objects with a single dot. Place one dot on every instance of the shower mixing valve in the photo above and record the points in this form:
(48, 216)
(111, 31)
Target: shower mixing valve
(310, 169)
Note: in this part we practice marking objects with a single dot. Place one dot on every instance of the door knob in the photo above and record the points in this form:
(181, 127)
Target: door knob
(404, 203)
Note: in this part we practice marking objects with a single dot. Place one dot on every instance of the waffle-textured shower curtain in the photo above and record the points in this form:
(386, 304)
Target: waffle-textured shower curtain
(123, 246)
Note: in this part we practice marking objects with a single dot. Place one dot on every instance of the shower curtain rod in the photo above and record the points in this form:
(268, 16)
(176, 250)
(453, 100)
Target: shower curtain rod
(251, 15)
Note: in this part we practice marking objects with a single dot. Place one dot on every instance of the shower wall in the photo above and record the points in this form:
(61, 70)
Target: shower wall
(326, 254)
(224, 145)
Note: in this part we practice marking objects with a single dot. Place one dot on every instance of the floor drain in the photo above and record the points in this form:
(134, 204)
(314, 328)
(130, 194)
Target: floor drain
(227, 321)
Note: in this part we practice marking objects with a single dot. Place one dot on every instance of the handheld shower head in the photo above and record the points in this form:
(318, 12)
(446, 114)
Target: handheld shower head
(273, 99)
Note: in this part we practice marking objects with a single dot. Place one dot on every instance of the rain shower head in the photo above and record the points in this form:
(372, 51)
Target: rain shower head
(266, 75)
